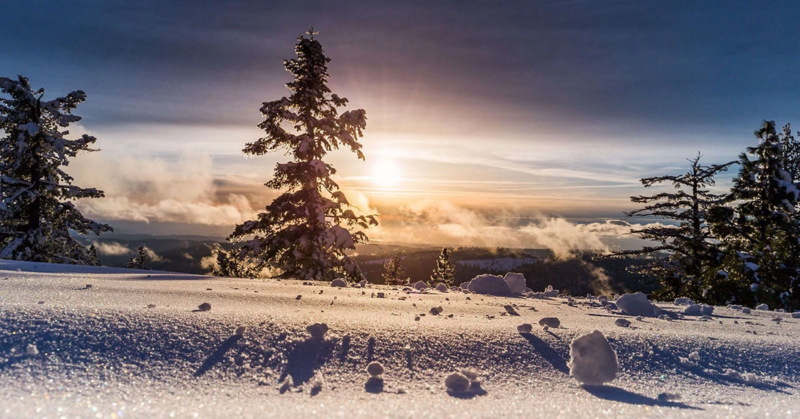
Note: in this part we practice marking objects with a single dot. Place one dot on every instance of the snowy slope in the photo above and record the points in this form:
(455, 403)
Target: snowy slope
(135, 346)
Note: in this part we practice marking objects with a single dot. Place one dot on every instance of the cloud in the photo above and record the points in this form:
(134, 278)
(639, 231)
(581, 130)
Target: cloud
(181, 190)
(153, 256)
(112, 248)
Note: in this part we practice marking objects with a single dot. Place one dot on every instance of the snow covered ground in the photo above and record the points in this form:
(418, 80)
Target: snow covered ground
(134, 344)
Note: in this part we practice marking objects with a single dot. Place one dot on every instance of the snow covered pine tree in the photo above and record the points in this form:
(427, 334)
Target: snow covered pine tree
(445, 271)
(394, 275)
(36, 212)
(689, 244)
(761, 232)
(305, 232)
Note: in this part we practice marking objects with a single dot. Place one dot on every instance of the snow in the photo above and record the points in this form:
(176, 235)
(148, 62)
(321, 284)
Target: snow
(693, 310)
(638, 305)
(103, 351)
(516, 282)
(592, 361)
(762, 307)
(488, 284)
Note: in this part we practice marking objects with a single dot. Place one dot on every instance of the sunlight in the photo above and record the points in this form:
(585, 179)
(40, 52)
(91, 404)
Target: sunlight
(385, 174)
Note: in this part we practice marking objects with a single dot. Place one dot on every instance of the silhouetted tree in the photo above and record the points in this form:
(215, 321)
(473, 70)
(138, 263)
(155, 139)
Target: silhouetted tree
(445, 271)
(230, 264)
(305, 232)
(760, 230)
(36, 209)
(394, 273)
(141, 260)
(689, 244)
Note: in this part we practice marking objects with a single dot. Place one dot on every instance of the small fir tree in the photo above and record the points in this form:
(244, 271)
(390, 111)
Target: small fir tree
(690, 245)
(141, 260)
(445, 271)
(760, 232)
(229, 264)
(36, 209)
(306, 232)
(395, 274)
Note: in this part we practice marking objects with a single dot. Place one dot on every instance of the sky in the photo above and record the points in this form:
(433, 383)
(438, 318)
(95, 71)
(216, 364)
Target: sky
(489, 123)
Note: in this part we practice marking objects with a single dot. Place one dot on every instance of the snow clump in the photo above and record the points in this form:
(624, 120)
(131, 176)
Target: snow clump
(31, 350)
(375, 369)
(204, 307)
(420, 285)
(524, 328)
(592, 361)
(488, 284)
(763, 307)
(441, 287)
(622, 322)
(550, 292)
(638, 305)
(516, 282)
(457, 383)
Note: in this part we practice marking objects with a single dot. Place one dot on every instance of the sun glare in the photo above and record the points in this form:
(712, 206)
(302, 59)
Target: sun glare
(385, 174)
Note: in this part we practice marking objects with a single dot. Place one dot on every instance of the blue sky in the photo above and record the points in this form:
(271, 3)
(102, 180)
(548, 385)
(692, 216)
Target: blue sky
(528, 109)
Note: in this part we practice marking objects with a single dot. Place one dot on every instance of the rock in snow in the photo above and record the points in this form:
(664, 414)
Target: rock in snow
(489, 284)
(516, 282)
(550, 322)
(591, 359)
(339, 282)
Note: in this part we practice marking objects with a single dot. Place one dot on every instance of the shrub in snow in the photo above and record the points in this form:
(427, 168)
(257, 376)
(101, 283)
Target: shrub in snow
(762, 307)
(305, 232)
(550, 322)
(445, 270)
(441, 287)
(638, 305)
(592, 361)
(420, 285)
(375, 369)
(457, 383)
(524, 328)
(317, 330)
(37, 198)
(488, 284)
(339, 282)
(516, 282)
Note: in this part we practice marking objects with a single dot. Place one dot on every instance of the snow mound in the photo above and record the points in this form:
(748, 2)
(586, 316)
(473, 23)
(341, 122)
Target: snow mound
(707, 310)
(516, 282)
(592, 361)
(339, 282)
(441, 287)
(763, 307)
(489, 284)
(796, 315)
(638, 305)
(420, 285)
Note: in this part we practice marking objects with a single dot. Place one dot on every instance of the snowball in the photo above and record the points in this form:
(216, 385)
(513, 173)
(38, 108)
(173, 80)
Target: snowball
(32, 350)
(693, 310)
(592, 361)
(694, 356)
(638, 305)
(489, 284)
(550, 322)
(457, 383)
(317, 330)
(339, 282)
(524, 328)
(420, 285)
(441, 287)
(375, 369)
(762, 307)
(436, 310)
(516, 282)
(204, 307)
(622, 323)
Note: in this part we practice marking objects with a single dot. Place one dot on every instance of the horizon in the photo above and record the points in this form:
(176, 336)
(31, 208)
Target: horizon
(519, 126)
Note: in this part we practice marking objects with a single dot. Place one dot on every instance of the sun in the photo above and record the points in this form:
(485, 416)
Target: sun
(385, 174)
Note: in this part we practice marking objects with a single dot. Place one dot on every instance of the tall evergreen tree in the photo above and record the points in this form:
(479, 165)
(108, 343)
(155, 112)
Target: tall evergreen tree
(445, 270)
(689, 243)
(394, 273)
(305, 232)
(761, 231)
(141, 260)
(36, 209)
